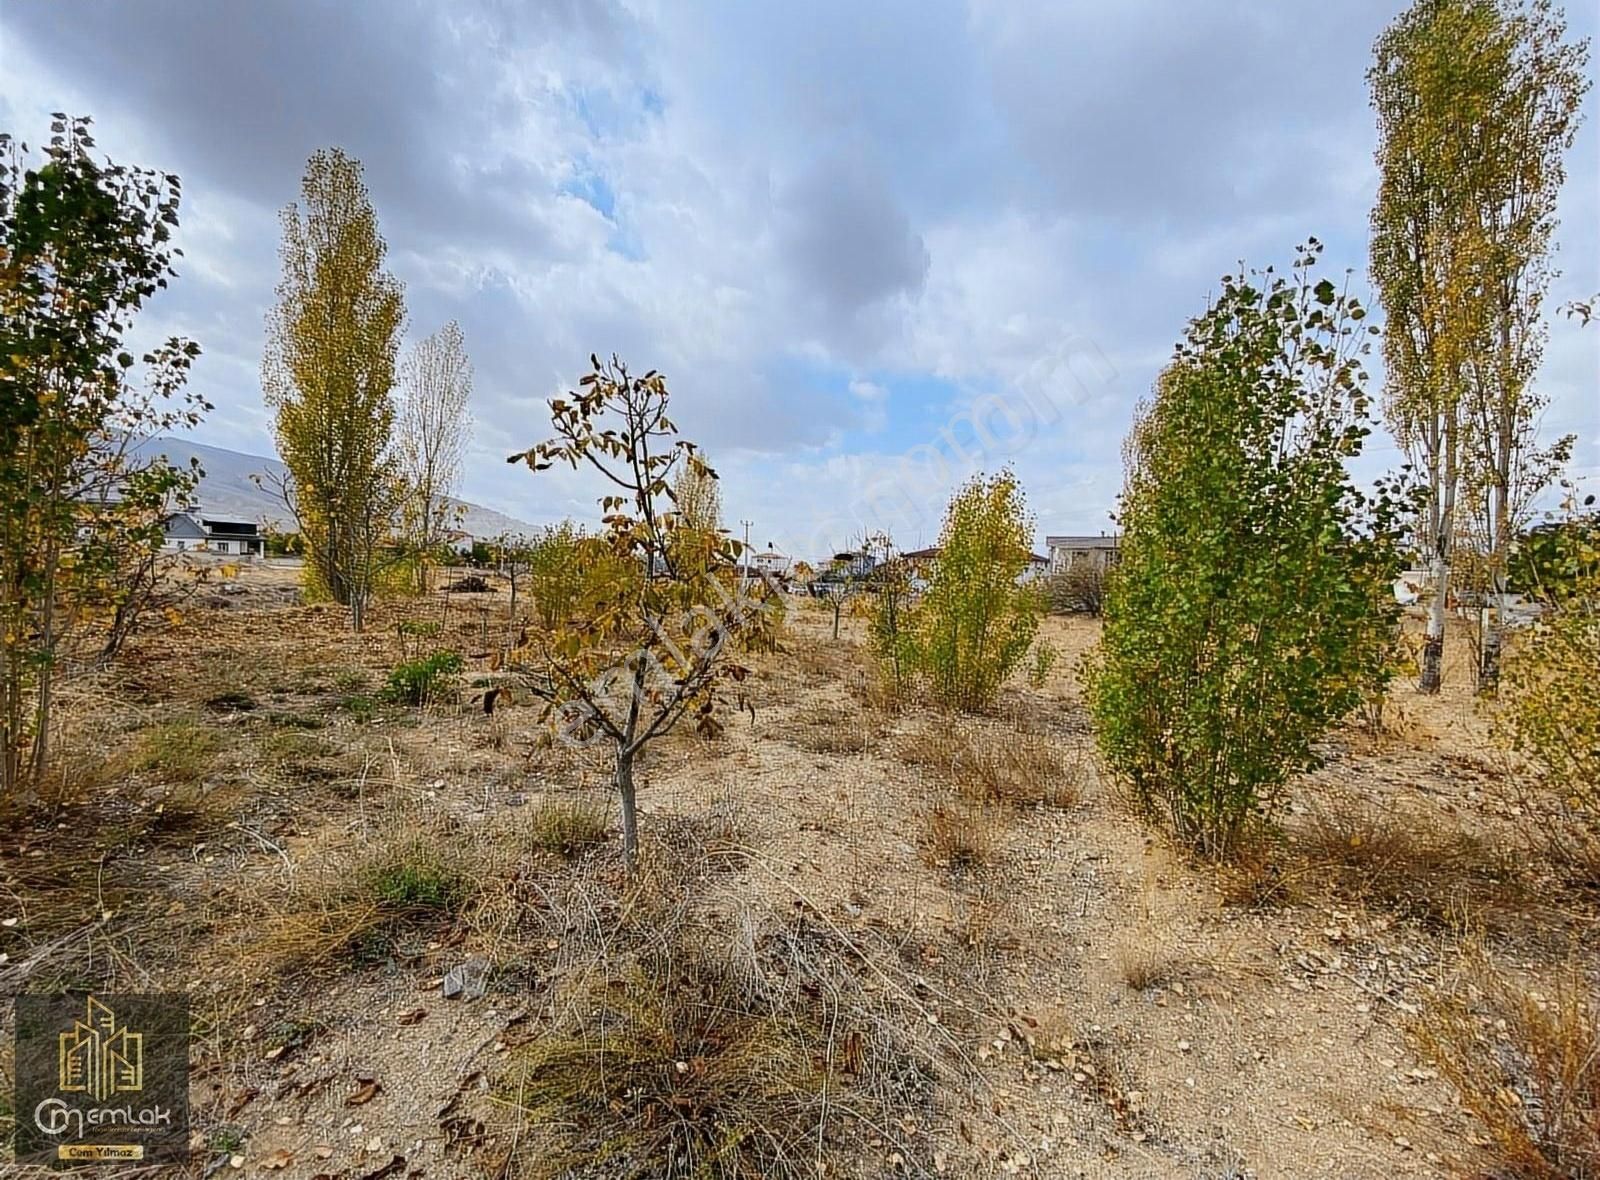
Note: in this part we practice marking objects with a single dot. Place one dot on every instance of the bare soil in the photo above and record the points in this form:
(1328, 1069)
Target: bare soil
(1092, 1002)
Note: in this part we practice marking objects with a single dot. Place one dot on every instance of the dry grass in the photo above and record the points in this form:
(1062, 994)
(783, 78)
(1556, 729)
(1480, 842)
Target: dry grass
(961, 835)
(567, 827)
(1010, 766)
(177, 752)
(1395, 861)
(1142, 964)
(1404, 863)
(717, 1053)
(1526, 1065)
(827, 728)
(356, 904)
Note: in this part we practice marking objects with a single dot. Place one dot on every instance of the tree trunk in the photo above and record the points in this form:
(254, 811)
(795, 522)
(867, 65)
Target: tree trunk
(357, 613)
(1493, 630)
(630, 816)
(1433, 645)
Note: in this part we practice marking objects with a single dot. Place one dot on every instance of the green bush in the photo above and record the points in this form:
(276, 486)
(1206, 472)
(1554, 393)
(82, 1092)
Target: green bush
(974, 624)
(1040, 663)
(416, 682)
(556, 573)
(415, 875)
(1251, 606)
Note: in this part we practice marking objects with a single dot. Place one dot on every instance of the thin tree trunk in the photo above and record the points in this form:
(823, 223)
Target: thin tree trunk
(623, 778)
(1433, 644)
(1445, 522)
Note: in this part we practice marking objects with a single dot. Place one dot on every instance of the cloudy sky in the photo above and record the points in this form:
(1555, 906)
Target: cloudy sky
(872, 245)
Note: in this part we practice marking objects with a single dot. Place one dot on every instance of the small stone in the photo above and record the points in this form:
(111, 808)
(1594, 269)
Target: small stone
(468, 981)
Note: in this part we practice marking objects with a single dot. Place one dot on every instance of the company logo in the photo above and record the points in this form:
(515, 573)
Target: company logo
(102, 1078)
(99, 1057)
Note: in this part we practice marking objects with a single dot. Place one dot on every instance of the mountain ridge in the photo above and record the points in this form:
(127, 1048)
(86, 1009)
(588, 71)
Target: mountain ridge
(226, 488)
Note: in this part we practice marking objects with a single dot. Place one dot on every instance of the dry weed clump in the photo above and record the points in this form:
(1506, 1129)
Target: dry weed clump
(826, 728)
(961, 835)
(1526, 1065)
(1404, 863)
(1143, 963)
(1010, 766)
(356, 904)
(175, 752)
(567, 827)
(701, 1054)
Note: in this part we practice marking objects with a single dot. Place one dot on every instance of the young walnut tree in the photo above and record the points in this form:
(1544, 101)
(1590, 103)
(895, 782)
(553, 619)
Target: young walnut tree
(648, 645)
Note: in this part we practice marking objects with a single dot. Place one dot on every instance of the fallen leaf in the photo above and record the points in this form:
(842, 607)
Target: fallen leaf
(366, 1090)
(415, 1016)
(277, 1161)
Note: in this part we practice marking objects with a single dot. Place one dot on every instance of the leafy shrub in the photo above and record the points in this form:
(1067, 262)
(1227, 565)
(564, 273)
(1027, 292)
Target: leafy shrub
(974, 624)
(1080, 589)
(1251, 607)
(1039, 665)
(1550, 712)
(416, 682)
(555, 573)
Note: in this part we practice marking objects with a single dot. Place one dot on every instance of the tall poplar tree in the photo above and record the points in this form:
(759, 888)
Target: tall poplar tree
(431, 440)
(329, 374)
(1476, 101)
(1535, 83)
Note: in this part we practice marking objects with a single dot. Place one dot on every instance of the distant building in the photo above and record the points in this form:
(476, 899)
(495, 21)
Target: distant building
(1067, 551)
(854, 564)
(921, 563)
(770, 563)
(193, 531)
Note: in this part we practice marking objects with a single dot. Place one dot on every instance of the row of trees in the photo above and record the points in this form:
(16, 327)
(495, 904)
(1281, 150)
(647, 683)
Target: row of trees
(1477, 101)
(1251, 609)
(369, 477)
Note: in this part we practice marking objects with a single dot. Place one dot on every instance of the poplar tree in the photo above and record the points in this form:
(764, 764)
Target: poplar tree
(1534, 85)
(1476, 101)
(328, 374)
(431, 440)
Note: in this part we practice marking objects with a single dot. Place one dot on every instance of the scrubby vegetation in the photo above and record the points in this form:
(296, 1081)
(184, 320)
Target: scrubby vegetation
(416, 682)
(1250, 606)
(973, 626)
(932, 867)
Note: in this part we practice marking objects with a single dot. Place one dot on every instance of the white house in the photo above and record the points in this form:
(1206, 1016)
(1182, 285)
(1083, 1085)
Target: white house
(1067, 551)
(192, 531)
(770, 562)
(922, 562)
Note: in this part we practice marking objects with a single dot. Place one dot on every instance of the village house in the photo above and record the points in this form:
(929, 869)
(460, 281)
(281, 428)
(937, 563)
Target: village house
(1068, 551)
(920, 564)
(192, 531)
(770, 563)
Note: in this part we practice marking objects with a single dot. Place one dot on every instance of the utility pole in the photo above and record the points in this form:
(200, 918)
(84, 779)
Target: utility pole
(744, 562)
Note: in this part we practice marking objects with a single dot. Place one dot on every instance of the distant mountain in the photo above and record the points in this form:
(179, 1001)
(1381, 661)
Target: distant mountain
(226, 489)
